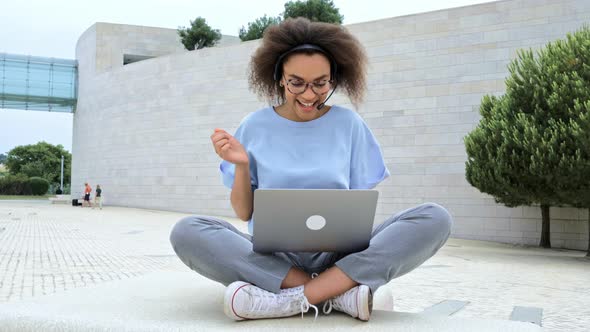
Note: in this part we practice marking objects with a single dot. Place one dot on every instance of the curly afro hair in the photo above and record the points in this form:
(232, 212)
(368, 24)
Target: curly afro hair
(346, 51)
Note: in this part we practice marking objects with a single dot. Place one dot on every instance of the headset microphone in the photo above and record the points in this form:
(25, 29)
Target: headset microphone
(322, 104)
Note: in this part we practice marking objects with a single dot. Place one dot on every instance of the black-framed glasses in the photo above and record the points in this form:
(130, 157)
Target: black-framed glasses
(297, 86)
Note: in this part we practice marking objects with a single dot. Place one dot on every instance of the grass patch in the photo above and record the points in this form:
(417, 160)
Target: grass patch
(20, 197)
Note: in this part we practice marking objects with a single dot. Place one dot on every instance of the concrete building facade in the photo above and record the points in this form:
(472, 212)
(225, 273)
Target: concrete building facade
(142, 130)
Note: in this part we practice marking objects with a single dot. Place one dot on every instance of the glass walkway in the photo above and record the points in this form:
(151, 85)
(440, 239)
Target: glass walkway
(38, 83)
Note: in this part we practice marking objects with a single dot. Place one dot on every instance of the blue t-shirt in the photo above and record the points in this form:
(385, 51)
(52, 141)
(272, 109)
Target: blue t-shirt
(335, 151)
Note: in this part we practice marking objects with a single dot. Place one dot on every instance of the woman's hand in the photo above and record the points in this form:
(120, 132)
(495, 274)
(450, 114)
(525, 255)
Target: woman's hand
(229, 148)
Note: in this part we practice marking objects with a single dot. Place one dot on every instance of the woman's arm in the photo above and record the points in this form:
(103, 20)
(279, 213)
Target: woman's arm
(241, 194)
(231, 150)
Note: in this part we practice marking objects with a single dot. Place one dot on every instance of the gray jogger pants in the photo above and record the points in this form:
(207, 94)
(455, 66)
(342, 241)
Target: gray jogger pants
(217, 250)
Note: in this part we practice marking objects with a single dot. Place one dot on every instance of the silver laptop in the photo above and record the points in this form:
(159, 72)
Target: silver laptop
(313, 219)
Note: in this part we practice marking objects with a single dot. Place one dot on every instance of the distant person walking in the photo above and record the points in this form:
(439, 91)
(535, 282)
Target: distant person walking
(98, 197)
(87, 191)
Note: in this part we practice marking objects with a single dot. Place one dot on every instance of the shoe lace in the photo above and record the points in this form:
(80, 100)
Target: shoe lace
(305, 305)
(327, 308)
(345, 302)
(265, 301)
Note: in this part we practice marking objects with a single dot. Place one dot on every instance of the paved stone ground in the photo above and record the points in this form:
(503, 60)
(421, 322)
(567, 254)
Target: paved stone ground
(46, 249)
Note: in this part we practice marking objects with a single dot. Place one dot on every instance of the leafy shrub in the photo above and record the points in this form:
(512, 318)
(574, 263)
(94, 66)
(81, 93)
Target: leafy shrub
(15, 185)
(39, 186)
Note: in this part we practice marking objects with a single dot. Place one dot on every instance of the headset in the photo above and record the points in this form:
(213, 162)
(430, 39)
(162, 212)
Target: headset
(278, 73)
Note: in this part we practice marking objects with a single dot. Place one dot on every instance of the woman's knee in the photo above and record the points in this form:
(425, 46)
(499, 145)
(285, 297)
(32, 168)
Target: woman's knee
(440, 216)
(184, 231)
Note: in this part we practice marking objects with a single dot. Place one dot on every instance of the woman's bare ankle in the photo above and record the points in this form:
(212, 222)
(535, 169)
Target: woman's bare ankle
(295, 277)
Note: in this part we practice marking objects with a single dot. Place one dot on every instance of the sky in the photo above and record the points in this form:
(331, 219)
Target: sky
(52, 28)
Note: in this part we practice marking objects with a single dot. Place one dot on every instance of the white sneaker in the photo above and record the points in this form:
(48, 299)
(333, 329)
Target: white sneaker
(246, 301)
(357, 302)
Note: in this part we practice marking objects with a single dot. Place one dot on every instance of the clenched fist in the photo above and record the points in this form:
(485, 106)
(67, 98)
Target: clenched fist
(228, 147)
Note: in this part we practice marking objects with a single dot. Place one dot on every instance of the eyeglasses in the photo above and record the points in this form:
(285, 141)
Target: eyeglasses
(297, 87)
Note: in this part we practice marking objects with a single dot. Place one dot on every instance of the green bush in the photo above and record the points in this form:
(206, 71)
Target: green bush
(15, 185)
(39, 186)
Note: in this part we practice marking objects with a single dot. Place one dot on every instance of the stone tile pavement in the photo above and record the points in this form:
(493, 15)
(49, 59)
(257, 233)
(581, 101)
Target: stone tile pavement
(47, 249)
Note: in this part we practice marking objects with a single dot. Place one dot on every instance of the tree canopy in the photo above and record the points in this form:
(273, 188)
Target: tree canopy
(256, 28)
(532, 145)
(198, 35)
(314, 10)
(40, 160)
